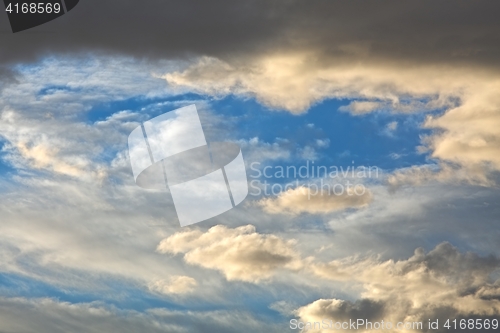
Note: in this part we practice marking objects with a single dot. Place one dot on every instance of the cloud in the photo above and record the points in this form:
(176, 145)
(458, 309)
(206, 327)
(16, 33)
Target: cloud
(240, 253)
(43, 113)
(443, 282)
(469, 134)
(308, 153)
(43, 157)
(359, 107)
(419, 175)
(463, 35)
(256, 150)
(174, 285)
(71, 183)
(7, 77)
(392, 126)
(340, 310)
(45, 315)
(325, 143)
(295, 81)
(306, 200)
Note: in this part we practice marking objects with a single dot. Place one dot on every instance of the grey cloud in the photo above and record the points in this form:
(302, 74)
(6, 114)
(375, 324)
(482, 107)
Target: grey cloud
(341, 310)
(424, 31)
(7, 77)
(443, 283)
(147, 28)
(49, 315)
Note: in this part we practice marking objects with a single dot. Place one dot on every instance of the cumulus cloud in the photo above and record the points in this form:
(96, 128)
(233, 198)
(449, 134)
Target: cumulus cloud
(470, 133)
(441, 283)
(314, 201)
(340, 310)
(240, 253)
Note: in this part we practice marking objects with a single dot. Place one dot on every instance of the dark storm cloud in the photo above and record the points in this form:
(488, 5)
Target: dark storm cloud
(148, 28)
(7, 76)
(427, 31)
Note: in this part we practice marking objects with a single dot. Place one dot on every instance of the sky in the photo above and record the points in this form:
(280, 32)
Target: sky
(405, 90)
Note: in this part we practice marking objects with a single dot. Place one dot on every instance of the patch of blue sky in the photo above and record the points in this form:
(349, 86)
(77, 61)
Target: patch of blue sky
(13, 285)
(6, 169)
(118, 293)
(362, 139)
(50, 90)
(147, 108)
(385, 139)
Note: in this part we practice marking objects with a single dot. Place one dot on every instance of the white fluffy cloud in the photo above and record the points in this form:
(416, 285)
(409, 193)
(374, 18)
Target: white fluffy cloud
(240, 253)
(470, 132)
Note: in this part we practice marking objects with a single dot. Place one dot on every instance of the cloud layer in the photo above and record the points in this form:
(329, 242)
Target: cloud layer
(73, 222)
